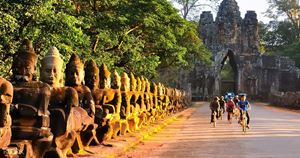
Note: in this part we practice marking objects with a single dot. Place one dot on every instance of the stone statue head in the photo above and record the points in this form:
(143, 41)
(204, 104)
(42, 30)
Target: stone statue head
(139, 84)
(143, 84)
(160, 89)
(74, 71)
(51, 68)
(133, 82)
(6, 97)
(91, 76)
(147, 85)
(125, 82)
(105, 80)
(116, 82)
(24, 63)
(153, 88)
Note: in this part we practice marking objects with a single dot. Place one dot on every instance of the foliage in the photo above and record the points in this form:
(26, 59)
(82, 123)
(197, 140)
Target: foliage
(278, 34)
(227, 73)
(129, 35)
(281, 37)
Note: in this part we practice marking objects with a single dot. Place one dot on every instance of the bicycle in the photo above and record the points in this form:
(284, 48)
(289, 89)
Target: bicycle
(230, 115)
(244, 121)
(214, 119)
(221, 113)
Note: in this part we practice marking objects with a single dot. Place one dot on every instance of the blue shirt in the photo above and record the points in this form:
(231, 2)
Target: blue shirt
(244, 105)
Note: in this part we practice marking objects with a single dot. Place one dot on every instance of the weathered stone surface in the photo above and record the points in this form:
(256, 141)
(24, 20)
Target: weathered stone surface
(230, 36)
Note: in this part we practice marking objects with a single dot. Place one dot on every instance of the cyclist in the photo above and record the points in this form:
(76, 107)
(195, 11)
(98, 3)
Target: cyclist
(214, 107)
(236, 99)
(230, 105)
(222, 105)
(244, 105)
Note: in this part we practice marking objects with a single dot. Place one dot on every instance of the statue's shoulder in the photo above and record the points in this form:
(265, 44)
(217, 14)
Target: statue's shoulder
(33, 85)
(86, 89)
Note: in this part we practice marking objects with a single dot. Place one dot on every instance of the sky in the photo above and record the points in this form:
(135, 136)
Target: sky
(259, 6)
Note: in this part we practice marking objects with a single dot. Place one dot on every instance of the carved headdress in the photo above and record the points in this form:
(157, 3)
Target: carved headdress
(133, 82)
(104, 72)
(116, 82)
(23, 57)
(74, 63)
(53, 57)
(26, 52)
(125, 82)
(91, 77)
(104, 77)
(91, 67)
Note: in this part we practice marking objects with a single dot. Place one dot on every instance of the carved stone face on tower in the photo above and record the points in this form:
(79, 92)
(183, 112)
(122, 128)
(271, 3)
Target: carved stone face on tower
(91, 76)
(105, 80)
(74, 71)
(51, 68)
(24, 63)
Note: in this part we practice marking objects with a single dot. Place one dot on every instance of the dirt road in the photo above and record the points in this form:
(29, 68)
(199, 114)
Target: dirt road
(274, 133)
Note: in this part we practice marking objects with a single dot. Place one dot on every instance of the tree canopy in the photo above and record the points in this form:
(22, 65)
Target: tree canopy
(282, 37)
(137, 36)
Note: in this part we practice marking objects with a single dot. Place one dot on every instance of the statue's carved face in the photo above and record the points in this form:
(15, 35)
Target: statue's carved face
(6, 96)
(6, 92)
(92, 79)
(75, 75)
(51, 74)
(24, 70)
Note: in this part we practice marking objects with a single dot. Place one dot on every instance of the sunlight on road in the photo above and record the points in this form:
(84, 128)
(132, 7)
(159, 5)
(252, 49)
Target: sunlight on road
(274, 133)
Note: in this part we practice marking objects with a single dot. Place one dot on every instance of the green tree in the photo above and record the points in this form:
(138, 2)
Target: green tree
(282, 37)
(129, 35)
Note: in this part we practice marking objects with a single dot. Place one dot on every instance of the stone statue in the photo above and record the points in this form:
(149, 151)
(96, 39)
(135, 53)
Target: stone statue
(126, 107)
(154, 100)
(135, 104)
(62, 103)
(74, 78)
(163, 101)
(6, 95)
(107, 100)
(148, 101)
(30, 113)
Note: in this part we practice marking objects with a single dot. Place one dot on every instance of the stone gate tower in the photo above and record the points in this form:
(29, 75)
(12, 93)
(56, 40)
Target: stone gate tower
(231, 37)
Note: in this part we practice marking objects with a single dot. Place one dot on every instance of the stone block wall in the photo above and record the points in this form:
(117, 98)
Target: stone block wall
(236, 38)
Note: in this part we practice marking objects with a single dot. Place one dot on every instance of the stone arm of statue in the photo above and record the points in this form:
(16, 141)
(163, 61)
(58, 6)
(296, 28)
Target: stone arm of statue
(43, 108)
(88, 102)
(71, 98)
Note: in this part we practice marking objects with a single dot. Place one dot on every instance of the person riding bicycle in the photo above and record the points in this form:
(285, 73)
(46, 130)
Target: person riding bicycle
(244, 105)
(222, 105)
(230, 105)
(214, 107)
(236, 99)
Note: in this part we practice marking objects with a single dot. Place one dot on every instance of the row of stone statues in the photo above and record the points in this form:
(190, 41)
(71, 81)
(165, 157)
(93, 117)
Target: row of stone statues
(53, 118)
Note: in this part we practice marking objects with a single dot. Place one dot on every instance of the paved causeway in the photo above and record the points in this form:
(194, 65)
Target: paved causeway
(274, 133)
